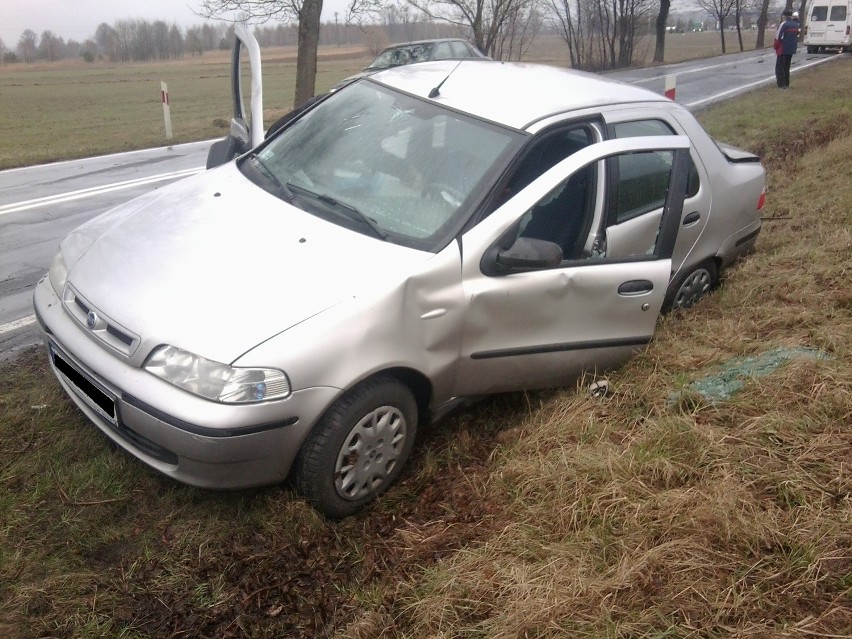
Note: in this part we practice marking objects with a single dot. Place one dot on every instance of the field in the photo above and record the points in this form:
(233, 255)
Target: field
(73, 109)
(648, 513)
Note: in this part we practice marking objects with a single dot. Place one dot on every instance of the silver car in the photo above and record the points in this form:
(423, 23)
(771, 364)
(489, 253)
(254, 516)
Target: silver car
(427, 234)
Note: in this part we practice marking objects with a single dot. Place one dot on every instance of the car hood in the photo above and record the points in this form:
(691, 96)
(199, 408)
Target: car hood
(215, 265)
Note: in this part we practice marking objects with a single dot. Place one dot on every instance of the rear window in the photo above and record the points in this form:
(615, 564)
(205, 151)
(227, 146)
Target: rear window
(819, 14)
(838, 12)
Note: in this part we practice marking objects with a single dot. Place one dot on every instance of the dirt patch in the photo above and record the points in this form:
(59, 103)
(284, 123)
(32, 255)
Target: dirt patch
(815, 133)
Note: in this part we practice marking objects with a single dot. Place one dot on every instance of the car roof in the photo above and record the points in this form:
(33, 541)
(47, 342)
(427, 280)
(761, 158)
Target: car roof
(513, 94)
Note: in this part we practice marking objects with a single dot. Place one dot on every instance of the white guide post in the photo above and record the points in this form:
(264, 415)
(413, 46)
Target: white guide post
(167, 115)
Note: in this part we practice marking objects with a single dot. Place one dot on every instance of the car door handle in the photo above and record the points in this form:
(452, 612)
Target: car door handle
(691, 218)
(635, 287)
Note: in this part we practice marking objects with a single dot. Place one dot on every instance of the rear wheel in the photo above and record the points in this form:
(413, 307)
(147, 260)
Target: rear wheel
(692, 286)
(812, 49)
(359, 447)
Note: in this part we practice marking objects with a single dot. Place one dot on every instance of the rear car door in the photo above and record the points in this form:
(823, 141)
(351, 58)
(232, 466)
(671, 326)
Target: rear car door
(697, 205)
(536, 320)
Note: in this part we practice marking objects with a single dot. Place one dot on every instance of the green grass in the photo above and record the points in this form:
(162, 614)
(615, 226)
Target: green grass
(552, 514)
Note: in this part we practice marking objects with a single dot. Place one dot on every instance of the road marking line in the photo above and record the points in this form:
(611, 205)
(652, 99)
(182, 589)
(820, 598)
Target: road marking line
(20, 323)
(173, 147)
(671, 71)
(95, 190)
(751, 85)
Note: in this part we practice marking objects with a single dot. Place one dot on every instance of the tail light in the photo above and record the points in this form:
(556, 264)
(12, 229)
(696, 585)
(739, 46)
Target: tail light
(761, 202)
(805, 32)
(847, 29)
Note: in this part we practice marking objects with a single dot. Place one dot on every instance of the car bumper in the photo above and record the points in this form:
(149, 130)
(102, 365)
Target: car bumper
(193, 440)
(740, 243)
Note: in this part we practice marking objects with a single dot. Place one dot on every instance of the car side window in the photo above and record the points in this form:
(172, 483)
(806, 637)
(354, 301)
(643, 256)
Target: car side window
(559, 217)
(442, 51)
(643, 179)
(639, 128)
(460, 49)
(565, 215)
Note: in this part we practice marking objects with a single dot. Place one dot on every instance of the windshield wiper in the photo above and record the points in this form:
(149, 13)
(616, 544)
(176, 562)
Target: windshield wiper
(355, 213)
(285, 193)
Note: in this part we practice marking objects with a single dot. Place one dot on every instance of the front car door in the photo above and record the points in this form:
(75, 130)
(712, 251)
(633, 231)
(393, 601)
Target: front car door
(530, 326)
(246, 129)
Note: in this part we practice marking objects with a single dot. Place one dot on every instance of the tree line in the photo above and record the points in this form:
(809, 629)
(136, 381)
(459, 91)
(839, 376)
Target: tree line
(145, 41)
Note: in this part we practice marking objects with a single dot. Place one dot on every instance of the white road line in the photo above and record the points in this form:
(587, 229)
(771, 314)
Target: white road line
(670, 71)
(20, 323)
(95, 190)
(174, 147)
(751, 85)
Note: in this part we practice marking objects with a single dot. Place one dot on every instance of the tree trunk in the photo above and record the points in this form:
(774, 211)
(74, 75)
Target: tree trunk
(762, 20)
(739, 30)
(722, 32)
(662, 19)
(306, 58)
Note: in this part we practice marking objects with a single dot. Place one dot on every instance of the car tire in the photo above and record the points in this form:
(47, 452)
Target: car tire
(812, 49)
(359, 447)
(690, 287)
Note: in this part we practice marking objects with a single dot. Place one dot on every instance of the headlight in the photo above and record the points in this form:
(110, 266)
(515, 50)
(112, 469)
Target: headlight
(58, 273)
(212, 380)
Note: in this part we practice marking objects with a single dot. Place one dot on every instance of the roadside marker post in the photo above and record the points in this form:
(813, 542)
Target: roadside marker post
(670, 86)
(167, 114)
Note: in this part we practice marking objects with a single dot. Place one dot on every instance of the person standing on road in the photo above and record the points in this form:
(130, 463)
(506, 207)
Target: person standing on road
(786, 39)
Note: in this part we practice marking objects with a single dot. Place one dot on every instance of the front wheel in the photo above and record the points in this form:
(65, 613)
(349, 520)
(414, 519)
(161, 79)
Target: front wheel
(692, 286)
(358, 449)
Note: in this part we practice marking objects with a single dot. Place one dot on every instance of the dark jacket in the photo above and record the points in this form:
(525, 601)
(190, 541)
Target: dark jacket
(788, 35)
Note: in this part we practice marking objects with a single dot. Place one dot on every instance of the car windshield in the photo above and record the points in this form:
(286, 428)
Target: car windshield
(386, 164)
(402, 55)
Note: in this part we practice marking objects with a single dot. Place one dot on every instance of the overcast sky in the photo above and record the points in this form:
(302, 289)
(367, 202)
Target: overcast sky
(78, 19)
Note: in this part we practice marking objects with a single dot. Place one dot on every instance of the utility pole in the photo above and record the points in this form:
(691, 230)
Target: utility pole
(336, 29)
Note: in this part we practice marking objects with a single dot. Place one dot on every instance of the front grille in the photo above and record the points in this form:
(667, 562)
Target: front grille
(105, 329)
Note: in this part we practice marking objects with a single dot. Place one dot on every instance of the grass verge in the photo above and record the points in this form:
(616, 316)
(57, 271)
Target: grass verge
(546, 514)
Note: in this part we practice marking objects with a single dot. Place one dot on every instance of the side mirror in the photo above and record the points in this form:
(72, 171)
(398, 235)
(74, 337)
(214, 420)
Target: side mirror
(525, 254)
(232, 145)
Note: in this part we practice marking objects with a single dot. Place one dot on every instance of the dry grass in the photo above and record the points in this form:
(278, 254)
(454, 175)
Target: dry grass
(550, 514)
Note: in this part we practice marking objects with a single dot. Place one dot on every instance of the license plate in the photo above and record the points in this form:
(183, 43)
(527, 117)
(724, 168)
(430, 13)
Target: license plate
(87, 389)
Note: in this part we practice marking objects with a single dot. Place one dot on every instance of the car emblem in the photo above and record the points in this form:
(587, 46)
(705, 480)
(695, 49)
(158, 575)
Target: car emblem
(91, 319)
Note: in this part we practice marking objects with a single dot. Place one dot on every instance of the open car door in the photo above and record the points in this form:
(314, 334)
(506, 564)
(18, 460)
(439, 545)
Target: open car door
(246, 129)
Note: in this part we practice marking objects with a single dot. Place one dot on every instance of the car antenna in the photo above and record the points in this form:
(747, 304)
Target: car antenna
(437, 90)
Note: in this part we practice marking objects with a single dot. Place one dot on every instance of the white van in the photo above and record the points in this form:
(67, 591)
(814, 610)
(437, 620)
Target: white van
(827, 25)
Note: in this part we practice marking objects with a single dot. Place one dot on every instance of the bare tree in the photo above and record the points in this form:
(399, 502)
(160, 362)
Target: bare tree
(28, 45)
(2, 52)
(600, 33)
(487, 20)
(50, 47)
(175, 42)
(519, 31)
(762, 21)
(305, 12)
(719, 9)
(660, 31)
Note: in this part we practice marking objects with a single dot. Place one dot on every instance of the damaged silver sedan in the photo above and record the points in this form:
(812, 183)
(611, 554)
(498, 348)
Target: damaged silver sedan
(429, 233)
